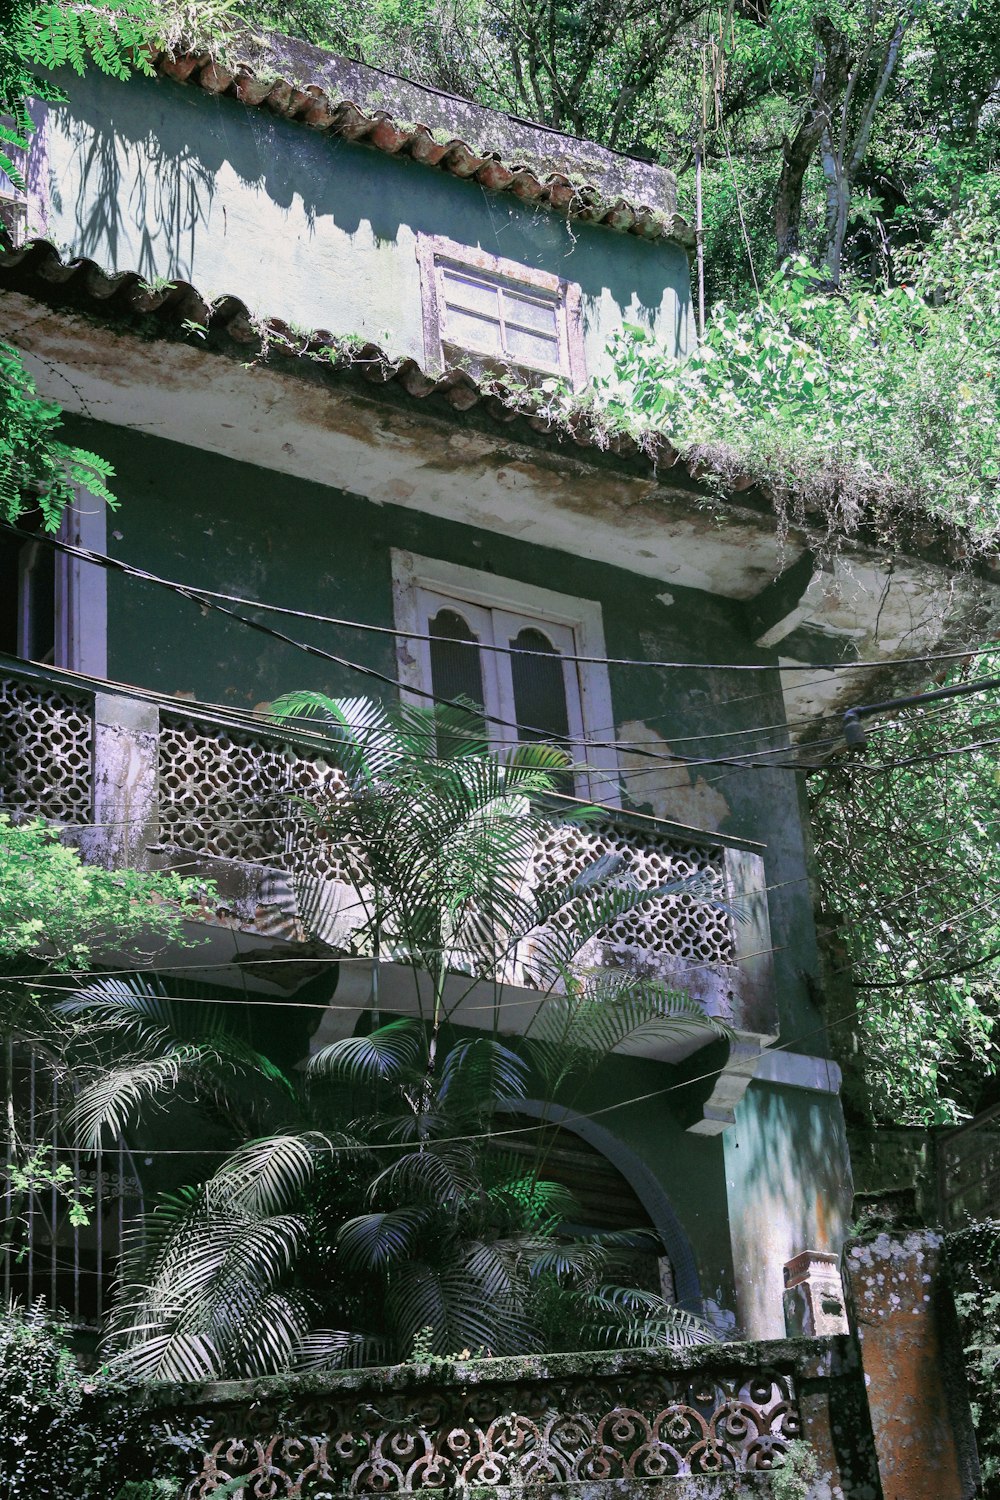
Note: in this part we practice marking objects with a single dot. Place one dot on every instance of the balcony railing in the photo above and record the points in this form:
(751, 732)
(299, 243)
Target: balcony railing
(588, 1424)
(144, 781)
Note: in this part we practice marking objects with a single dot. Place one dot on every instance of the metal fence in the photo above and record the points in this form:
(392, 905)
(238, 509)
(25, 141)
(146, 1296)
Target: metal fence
(45, 1254)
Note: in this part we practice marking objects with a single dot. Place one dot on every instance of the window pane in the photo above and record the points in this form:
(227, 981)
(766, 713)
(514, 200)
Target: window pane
(456, 668)
(532, 349)
(472, 332)
(540, 695)
(538, 313)
(476, 293)
(40, 582)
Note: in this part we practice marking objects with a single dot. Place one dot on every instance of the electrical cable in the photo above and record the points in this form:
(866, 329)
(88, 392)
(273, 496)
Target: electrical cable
(194, 591)
(565, 1119)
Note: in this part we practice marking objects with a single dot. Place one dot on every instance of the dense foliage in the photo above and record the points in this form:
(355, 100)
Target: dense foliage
(56, 908)
(380, 1213)
(863, 403)
(907, 848)
(58, 915)
(65, 1435)
(973, 1256)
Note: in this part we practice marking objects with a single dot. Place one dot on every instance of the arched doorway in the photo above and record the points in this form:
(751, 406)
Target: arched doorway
(615, 1190)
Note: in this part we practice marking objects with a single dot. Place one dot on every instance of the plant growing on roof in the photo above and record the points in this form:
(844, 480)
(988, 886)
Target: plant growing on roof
(384, 1204)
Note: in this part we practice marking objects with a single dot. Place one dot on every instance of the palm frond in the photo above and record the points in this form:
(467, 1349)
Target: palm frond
(534, 1201)
(374, 1241)
(267, 1176)
(156, 1356)
(336, 1349)
(471, 1304)
(385, 1053)
(434, 1175)
(115, 1097)
(266, 1339)
(357, 733)
(478, 1072)
(625, 1316)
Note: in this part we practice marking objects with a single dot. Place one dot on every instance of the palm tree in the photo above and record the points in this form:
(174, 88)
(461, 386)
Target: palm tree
(381, 1214)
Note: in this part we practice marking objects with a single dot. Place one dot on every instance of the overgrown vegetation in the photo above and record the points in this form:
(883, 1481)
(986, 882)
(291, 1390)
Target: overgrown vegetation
(974, 1260)
(379, 1212)
(865, 404)
(58, 915)
(66, 1435)
(907, 851)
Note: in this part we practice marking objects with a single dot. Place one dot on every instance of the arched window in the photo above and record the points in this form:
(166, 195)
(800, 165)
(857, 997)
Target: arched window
(455, 666)
(516, 650)
(540, 699)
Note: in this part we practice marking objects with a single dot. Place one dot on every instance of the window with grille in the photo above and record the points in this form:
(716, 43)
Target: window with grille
(497, 316)
(513, 653)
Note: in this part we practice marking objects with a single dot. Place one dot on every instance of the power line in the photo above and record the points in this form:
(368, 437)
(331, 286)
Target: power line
(206, 595)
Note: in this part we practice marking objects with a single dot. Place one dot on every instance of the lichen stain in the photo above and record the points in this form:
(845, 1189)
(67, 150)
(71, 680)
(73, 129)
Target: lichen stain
(670, 792)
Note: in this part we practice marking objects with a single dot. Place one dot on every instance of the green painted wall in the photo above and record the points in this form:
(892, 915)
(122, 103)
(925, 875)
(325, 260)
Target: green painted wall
(789, 1187)
(205, 520)
(169, 181)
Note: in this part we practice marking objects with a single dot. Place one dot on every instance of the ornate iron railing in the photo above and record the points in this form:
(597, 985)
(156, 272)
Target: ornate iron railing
(497, 1424)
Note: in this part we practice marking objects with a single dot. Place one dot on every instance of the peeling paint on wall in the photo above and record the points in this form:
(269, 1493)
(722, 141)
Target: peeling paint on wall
(670, 793)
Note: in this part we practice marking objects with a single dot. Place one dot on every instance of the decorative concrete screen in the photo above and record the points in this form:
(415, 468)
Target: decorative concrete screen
(682, 926)
(231, 794)
(560, 1420)
(153, 781)
(46, 750)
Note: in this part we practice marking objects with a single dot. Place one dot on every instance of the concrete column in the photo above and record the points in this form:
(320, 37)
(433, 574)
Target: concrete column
(126, 781)
(913, 1369)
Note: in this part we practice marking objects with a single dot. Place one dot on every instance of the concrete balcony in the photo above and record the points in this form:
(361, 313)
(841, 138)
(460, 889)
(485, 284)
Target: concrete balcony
(147, 782)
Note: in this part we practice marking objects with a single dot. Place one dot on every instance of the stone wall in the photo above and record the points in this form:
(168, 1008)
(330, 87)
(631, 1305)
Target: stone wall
(708, 1422)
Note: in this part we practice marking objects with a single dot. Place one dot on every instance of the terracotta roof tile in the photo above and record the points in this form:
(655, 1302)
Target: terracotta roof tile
(37, 270)
(314, 108)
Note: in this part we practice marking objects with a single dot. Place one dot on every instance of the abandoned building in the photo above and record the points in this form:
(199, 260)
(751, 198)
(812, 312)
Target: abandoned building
(314, 339)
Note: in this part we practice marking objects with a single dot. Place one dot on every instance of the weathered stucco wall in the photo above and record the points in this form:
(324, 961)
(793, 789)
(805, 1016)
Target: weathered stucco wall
(177, 184)
(789, 1187)
(204, 520)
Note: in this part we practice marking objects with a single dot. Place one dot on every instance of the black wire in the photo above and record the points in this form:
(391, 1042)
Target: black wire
(106, 560)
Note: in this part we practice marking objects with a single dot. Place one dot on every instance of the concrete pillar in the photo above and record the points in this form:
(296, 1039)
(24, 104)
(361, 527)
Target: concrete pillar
(911, 1357)
(126, 781)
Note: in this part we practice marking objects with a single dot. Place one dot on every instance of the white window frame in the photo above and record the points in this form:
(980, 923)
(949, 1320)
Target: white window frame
(435, 251)
(575, 624)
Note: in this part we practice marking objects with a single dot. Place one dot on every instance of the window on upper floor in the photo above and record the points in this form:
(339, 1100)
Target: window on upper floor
(498, 316)
(511, 649)
(53, 607)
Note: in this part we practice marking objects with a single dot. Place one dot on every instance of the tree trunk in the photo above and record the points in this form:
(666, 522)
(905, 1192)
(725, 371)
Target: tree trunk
(838, 202)
(842, 158)
(828, 81)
